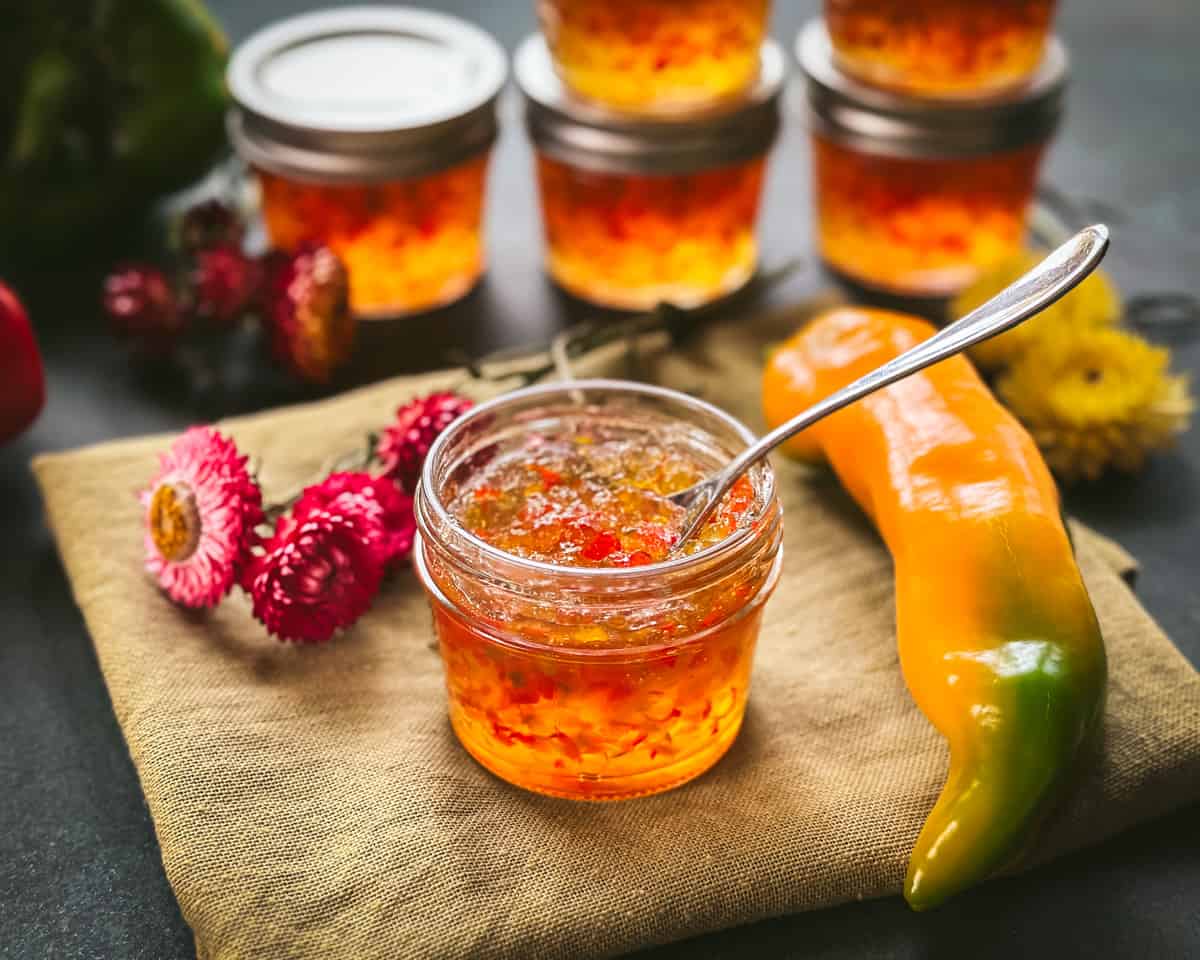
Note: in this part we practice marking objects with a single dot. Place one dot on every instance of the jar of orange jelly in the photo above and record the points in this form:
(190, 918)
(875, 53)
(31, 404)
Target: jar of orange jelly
(914, 197)
(582, 658)
(638, 212)
(940, 48)
(369, 130)
(655, 56)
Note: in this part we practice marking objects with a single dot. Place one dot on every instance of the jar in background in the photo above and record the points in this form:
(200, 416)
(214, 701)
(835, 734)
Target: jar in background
(940, 48)
(655, 56)
(638, 212)
(594, 683)
(915, 197)
(369, 129)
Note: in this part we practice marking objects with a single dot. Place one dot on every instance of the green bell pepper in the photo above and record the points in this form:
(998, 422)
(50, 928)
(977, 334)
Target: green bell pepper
(117, 102)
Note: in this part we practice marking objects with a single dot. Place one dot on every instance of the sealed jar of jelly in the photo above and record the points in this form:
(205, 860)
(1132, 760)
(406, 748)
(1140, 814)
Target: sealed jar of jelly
(655, 56)
(637, 212)
(914, 197)
(583, 657)
(369, 130)
(940, 48)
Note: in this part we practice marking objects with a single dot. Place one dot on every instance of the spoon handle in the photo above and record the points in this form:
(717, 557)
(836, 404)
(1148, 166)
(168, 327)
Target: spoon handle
(1037, 289)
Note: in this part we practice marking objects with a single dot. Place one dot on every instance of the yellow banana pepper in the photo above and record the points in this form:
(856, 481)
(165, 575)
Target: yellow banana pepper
(998, 641)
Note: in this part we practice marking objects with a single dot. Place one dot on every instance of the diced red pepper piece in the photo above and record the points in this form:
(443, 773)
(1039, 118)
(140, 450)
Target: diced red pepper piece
(550, 478)
(568, 746)
(601, 546)
(508, 736)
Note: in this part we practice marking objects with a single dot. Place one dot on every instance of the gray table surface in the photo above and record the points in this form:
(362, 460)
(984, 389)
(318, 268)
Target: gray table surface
(80, 870)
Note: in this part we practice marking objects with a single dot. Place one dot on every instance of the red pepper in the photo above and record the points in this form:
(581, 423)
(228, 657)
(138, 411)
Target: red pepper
(550, 478)
(22, 379)
(486, 492)
(602, 546)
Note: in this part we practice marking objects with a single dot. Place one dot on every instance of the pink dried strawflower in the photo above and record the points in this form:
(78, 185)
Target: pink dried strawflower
(403, 445)
(210, 223)
(306, 311)
(224, 284)
(393, 508)
(140, 304)
(318, 573)
(201, 511)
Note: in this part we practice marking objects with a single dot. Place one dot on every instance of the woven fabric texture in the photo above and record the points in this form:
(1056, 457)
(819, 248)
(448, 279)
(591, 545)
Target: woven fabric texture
(313, 802)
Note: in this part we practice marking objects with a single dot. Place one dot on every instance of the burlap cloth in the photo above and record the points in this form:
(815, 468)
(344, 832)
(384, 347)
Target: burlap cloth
(313, 802)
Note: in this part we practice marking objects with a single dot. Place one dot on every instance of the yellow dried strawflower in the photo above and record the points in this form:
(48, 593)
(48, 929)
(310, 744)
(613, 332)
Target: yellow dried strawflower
(1094, 303)
(1096, 398)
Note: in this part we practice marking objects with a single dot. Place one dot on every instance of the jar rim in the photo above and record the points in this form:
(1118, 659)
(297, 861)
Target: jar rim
(589, 136)
(708, 556)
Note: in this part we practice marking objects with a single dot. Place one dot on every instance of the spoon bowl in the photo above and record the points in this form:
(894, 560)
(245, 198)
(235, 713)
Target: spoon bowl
(1053, 277)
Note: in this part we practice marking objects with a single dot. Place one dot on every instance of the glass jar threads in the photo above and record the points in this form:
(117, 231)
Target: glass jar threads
(637, 212)
(369, 130)
(581, 661)
(940, 48)
(655, 56)
(914, 197)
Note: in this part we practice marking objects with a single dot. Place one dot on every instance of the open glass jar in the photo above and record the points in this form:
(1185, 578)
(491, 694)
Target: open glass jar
(637, 212)
(593, 682)
(940, 48)
(655, 56)
(915, 197)
(369, 130)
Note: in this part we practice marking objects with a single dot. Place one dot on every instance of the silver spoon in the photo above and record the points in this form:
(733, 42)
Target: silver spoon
(1019, 301)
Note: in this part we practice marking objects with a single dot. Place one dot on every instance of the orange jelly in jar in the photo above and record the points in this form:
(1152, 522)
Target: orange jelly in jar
(583, 658)
(920, 227)
(915, 198)
(369, 130)
(409, 245)
(940, 48)
(633, 241)
(655, 56)
(639, 212)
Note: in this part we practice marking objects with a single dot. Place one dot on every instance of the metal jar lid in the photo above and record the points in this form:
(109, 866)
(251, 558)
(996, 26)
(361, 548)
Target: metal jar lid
(363, 94)
(587, 136)
(853, 113)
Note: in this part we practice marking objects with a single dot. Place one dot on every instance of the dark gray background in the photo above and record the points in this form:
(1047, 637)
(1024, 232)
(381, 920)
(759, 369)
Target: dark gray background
(80, 873)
